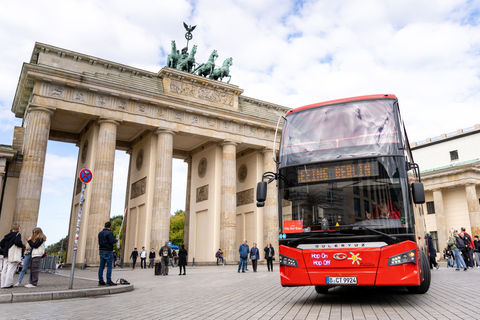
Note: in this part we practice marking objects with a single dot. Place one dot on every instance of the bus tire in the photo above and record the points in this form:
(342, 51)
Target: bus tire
(322, 289)
(425, 285)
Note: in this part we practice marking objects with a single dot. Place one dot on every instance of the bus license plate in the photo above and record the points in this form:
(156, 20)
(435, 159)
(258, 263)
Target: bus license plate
(342, 280)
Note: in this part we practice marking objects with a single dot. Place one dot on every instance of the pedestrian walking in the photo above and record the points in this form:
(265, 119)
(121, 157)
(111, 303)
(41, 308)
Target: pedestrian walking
(243, 250)
(467, 252)
(106, 241)
(165, 254)
(432, 253)
(143, 258)
(12, 254)
(219, 255)
(151, 256)
(447, 255)
(254, 256)
(269, 256)
(454, 241)
(182, 259)
(134, 256)
(37, 243)
(476, 250)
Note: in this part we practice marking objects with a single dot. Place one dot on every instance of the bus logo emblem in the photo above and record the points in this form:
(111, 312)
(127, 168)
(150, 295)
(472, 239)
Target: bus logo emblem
(339, 256)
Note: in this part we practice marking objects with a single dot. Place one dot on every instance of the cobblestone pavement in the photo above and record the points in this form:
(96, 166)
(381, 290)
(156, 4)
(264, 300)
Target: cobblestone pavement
(212, 292)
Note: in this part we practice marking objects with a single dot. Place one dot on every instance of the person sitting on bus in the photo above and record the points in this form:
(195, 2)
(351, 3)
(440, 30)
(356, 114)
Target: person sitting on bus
(384, 210)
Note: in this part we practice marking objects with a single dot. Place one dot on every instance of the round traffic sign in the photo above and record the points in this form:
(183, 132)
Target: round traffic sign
(85, 175)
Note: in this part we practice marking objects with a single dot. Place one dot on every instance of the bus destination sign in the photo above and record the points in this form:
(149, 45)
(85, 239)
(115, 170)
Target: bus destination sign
(335, 172)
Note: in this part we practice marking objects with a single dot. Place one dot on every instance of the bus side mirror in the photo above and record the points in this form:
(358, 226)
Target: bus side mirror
(418, 192)
(261, 193)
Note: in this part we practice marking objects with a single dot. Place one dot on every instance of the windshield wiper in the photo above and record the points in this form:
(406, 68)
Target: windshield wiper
(395, 239)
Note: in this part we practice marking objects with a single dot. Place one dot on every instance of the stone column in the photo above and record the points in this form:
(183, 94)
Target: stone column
(187, 204)
(442, 230)
(473, 209)
(30, 181)
(162, 189)
(228, 207)
(270, 210)
(101, 184)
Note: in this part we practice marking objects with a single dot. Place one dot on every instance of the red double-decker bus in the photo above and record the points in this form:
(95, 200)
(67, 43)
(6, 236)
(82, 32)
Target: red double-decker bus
(349, 198)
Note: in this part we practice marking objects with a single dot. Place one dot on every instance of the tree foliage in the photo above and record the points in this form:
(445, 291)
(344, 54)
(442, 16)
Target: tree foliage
(116, 222)
(56, 248)
(177, 225)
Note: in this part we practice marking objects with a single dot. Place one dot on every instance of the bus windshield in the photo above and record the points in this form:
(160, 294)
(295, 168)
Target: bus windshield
(353, 193)
(346, 130)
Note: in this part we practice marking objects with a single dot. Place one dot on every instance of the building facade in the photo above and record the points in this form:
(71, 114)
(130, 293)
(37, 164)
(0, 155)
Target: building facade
(450, 171)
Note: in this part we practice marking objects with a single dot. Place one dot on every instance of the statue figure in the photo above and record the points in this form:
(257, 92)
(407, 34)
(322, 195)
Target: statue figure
(186, 63)
(189, 29)
(223, 71)
(206, 68)
(172, 58)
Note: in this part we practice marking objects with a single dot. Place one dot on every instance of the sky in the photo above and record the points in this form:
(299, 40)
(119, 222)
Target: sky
(292, 53)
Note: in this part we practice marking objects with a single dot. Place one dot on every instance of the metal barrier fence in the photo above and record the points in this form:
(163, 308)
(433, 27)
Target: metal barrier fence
(48, 264)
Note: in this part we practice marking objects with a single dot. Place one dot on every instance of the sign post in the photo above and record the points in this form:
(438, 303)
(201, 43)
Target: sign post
(85, 176)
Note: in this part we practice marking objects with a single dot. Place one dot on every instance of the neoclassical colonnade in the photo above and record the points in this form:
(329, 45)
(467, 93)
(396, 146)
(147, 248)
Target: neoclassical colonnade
(225, 138)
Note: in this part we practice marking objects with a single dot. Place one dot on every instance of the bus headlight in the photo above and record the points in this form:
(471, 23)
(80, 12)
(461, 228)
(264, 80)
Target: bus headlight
(402, 258)
(287, 261)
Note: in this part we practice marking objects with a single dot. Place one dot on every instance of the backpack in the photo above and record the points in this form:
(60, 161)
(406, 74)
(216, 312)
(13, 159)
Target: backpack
(459, 242)
(165, 252)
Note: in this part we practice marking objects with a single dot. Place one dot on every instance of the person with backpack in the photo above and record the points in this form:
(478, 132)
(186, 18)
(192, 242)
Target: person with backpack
(454, 241)
(476, 243)
(467, 251)
(165, 254)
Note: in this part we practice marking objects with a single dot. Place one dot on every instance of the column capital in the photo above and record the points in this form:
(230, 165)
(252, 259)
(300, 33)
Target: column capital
(228, 143)
(162, 131)
(105, 120)
(38, 108)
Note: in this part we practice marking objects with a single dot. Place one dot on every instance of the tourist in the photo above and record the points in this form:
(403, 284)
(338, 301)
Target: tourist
(151, 256)
(105, 243)
(254, 256)
(12, 240)
(165, 253)
(269, 256)
(143, 258)
(182, 259)
(37, 243)
(27, 257)
(219, 255)
(432, 253)
(454, 241)
(134, 256)
(243, 250)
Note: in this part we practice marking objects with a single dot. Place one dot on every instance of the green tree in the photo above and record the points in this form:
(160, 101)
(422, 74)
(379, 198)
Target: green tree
(116, 222)
(177, 225)
(54, 249)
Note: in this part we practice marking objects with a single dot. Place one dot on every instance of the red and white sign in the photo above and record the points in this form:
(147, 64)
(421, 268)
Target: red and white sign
(292, 226)
(85, 175)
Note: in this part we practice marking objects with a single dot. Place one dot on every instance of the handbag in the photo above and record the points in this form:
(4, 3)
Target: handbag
(39, 252)
(14, 254)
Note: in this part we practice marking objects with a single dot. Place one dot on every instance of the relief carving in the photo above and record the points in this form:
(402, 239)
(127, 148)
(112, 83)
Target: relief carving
(244, 197)
(138, 188)
(102, 101)
(139, 160)
(57, 92)
(201, 93)
(161, 113)
(182, 88)
(141, 108)
(84, 151)
(210, 123)
(242, 173)
(178, 116)
(202, 193)
(122, 105)
(80, 96)
(202, 167)
(194, 120)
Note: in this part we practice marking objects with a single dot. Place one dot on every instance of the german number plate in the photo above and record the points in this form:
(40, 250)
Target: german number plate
(342, 280)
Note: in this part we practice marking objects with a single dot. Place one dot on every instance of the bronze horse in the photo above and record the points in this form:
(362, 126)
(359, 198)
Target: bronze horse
(188, 63)
(223, 71)
(172, 58)
(206, 68)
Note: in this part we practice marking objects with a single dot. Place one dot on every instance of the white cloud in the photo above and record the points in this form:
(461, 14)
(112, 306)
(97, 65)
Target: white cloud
(287, 52)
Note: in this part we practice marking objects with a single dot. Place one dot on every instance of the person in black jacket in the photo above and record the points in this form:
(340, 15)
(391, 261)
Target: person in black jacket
(269, 255)
(182, 259)
(14, 238)
(432, 253)
(151, 256)
(165, 254)
(106, 240)
(134, 256)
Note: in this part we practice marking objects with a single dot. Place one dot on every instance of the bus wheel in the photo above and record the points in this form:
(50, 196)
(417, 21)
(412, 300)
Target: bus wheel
(322, 289)
(425, 285)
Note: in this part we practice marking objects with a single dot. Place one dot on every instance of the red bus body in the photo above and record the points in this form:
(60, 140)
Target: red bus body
(342, 165)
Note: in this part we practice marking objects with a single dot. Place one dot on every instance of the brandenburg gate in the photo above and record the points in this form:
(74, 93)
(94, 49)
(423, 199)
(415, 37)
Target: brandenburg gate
(102, 106)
